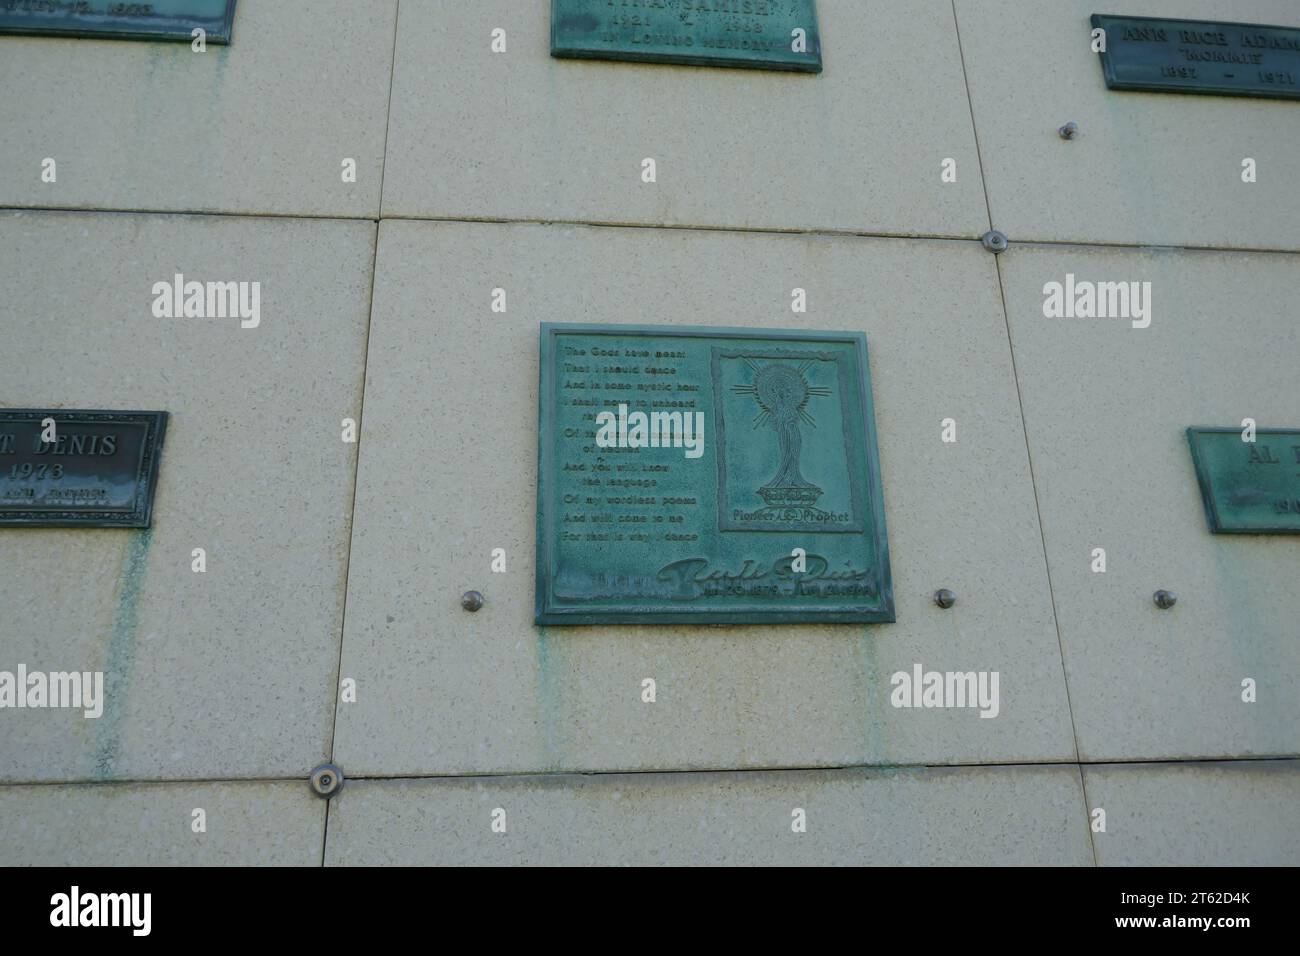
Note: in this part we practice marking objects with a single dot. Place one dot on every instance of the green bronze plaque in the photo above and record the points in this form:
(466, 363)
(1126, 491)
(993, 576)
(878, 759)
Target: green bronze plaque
(759, 34)
(1200, 56)
(113, 19)
(708, 476)
(1248, 487)
(63, 467)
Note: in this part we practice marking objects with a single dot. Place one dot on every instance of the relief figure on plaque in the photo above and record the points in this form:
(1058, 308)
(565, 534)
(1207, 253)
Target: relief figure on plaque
(782, 393)
(785, 462)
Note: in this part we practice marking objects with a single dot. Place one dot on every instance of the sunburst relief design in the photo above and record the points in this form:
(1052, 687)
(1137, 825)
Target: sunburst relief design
(783, 392)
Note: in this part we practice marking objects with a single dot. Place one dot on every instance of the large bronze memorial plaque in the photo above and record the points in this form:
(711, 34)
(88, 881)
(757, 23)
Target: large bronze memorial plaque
(708, 476)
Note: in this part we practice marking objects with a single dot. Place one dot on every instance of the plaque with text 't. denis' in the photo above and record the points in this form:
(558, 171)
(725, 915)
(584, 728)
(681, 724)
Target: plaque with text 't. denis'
(759, 34)
(76, 468)
(112, 19)
(708, 476)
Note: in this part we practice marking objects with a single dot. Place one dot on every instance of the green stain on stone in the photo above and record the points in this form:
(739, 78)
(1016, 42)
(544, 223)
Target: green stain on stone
(121, 655)
(876, 690)
(549, 708)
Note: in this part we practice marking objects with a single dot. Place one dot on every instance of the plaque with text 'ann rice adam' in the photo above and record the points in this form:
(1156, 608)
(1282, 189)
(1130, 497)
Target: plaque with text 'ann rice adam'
(714, 476)
(1200, 56)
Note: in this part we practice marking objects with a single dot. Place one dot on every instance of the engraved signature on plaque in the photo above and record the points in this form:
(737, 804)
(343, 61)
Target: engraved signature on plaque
(635, 531)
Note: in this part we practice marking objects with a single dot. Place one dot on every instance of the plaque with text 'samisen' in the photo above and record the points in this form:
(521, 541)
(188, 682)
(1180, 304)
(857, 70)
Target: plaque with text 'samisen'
(708, 476)
(113, 19)
(63, 467)
(759, 34)
(1248, 487)
(1200, 56)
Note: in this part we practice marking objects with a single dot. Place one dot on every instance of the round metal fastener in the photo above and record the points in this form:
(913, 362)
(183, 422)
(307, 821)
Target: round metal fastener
(995, 241)
(944, 598)
(1069, 130)
(471, 600)
(1166, 599)
(326, 780)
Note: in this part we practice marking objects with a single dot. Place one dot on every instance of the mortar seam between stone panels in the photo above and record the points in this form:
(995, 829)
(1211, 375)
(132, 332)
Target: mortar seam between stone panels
(810, 233)
(1042, 536)
(388, 112)
(822, 233)
(352, 524)
(361, 408)
(1087, 817)
(1024, 427)
(970, 109)
(680, 772)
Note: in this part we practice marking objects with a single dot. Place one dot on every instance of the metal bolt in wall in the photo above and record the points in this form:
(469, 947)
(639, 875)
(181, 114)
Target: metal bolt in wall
(326, 780)
(1165, 599)
(1069, 130)
(995, 241)
(471, 600)
(944, 598)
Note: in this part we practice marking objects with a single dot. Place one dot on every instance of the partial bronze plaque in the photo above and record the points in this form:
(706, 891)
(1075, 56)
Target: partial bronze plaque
(1200, 56)
(111, 19)
(99, 469)
(708, 476)
(759, 34)
(1248, 487)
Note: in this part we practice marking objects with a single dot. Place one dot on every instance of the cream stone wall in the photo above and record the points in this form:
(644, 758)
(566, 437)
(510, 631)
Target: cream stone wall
(332, 561)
